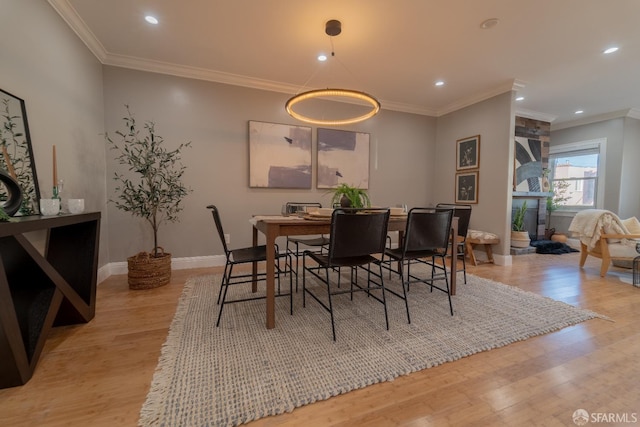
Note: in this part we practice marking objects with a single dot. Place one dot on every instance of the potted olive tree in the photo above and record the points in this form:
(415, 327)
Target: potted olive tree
(152, 190)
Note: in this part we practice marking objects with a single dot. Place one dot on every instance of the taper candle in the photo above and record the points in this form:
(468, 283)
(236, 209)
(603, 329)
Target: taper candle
(55, 168)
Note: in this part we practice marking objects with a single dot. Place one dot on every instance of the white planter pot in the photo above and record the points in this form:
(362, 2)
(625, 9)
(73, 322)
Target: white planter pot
(520, 239)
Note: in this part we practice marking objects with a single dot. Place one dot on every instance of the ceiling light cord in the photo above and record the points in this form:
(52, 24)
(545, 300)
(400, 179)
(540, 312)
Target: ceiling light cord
(333, 28)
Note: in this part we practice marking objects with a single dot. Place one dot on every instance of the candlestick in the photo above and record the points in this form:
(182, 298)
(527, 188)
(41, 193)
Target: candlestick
(55, 168)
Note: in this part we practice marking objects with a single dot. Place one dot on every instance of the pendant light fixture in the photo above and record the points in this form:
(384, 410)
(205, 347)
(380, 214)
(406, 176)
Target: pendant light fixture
(333, 28)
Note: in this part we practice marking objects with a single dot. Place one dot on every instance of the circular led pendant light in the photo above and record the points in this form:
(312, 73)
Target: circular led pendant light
(333, 28)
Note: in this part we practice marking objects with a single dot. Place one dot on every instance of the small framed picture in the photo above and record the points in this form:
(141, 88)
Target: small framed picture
(468, 153)
(467, 187)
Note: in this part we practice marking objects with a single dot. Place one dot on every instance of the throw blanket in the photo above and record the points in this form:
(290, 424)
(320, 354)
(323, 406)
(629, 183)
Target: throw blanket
(590, 224)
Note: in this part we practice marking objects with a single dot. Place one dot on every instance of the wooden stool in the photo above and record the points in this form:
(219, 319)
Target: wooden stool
(485, 239)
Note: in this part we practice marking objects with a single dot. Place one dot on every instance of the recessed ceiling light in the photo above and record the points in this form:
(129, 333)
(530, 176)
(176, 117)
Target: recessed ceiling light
(610, 50)
(520, 98)
(489, 23)
(151, 19)
(439, 83)
(579, 112)
(322, 57)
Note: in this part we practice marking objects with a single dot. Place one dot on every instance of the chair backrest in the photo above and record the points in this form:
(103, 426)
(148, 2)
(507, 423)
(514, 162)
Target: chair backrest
(293, 208)
(428, 229)
(358, 232)
(216, 219)
(463, 213)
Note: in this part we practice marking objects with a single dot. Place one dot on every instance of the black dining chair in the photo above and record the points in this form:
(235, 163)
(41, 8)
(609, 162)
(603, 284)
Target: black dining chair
(300, 243)
(356, 236)
(463, 213)
(426, 240)
(248, 255)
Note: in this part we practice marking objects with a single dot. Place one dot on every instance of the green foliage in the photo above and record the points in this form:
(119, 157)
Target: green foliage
(518, 217)
(358, 197)
(3, 216)
(153, 189)
(559, 189)
(15, 158)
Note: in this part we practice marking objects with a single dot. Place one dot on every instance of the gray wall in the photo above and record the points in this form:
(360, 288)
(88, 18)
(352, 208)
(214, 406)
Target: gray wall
(44, 63)
(621, 169)
(494, 121)
(630, 176)
(214, 117)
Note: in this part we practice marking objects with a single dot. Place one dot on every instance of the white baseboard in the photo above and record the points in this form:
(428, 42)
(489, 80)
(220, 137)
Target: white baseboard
(176, 264)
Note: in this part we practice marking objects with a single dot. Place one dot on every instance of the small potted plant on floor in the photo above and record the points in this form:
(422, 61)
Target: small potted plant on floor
(350, 197)
(152, 190)
(519, 236)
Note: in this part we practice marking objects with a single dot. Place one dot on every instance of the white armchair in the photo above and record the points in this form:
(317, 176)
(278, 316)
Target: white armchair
(603, 235)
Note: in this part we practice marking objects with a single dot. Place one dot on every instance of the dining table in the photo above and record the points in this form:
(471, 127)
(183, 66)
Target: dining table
(274, 226)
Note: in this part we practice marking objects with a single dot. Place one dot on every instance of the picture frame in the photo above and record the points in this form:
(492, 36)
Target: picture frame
(468, 153)
(17, 159)
(343, 158)
(467, 186)
(279, 155)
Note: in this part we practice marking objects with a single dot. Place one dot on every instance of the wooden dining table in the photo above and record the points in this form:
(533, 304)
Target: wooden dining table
(277, 225)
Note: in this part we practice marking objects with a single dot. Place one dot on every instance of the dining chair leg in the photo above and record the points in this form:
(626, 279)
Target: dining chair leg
(304, 280)
(464, 266)
(446, 280)
(384, 298)
(404, 292)
(333, 326)
(224, 278)
(224, 294)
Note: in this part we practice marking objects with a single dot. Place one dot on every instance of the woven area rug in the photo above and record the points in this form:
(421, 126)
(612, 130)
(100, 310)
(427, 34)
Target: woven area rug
(241, 371)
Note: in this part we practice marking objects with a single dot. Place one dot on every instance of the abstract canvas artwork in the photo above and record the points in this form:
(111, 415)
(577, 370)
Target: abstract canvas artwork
(279, 155)
(528, 164)
(343, 157)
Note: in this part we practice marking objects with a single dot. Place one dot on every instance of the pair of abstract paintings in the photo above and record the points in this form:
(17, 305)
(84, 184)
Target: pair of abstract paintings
(280, 156)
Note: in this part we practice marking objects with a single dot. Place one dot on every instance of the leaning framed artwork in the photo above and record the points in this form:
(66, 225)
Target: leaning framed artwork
(468, 153)
(279, 155)
(343, 158)
(467, 187)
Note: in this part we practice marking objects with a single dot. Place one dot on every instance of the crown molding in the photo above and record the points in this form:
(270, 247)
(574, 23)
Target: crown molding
(536, 115)
(629, 112)
(73, 20)
(70, 16)
(511, 85)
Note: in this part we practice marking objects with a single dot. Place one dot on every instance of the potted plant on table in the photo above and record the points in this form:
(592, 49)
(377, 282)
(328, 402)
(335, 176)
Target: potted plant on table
(152, 190)
(350, 197)
(519, 236)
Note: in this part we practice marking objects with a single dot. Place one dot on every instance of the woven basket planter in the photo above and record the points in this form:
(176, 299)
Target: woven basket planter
(147, 271)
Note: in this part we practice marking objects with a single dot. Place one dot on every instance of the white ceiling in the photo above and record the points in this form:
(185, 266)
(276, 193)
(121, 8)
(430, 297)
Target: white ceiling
(548, 50)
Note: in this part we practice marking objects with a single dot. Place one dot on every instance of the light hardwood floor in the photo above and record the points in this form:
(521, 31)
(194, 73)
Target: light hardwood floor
(98, 374)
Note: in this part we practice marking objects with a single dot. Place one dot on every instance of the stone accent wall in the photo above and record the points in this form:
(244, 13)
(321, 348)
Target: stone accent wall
(536, 201)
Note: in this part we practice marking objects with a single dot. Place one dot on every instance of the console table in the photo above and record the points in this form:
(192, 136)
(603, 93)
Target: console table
(42, 290)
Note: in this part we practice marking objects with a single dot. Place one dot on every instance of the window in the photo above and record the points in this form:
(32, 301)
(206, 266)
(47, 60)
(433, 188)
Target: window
(576, 174)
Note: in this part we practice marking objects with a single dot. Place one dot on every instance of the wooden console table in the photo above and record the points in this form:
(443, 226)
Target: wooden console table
(39, 291)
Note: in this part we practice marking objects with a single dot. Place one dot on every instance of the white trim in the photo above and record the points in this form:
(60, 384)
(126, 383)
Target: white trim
(502, 259)
(535, 115)
(176, 264)
(601, 145)
(632, 112)
(71, 17)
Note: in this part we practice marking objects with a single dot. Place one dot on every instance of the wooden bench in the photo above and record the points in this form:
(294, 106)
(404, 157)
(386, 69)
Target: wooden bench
(476, 238)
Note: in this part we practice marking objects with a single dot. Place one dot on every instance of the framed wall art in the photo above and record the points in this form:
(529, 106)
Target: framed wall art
(528, 164)
(468, 153)
(343, 158)
(279, 155)
(16, 158)
(467, 187)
